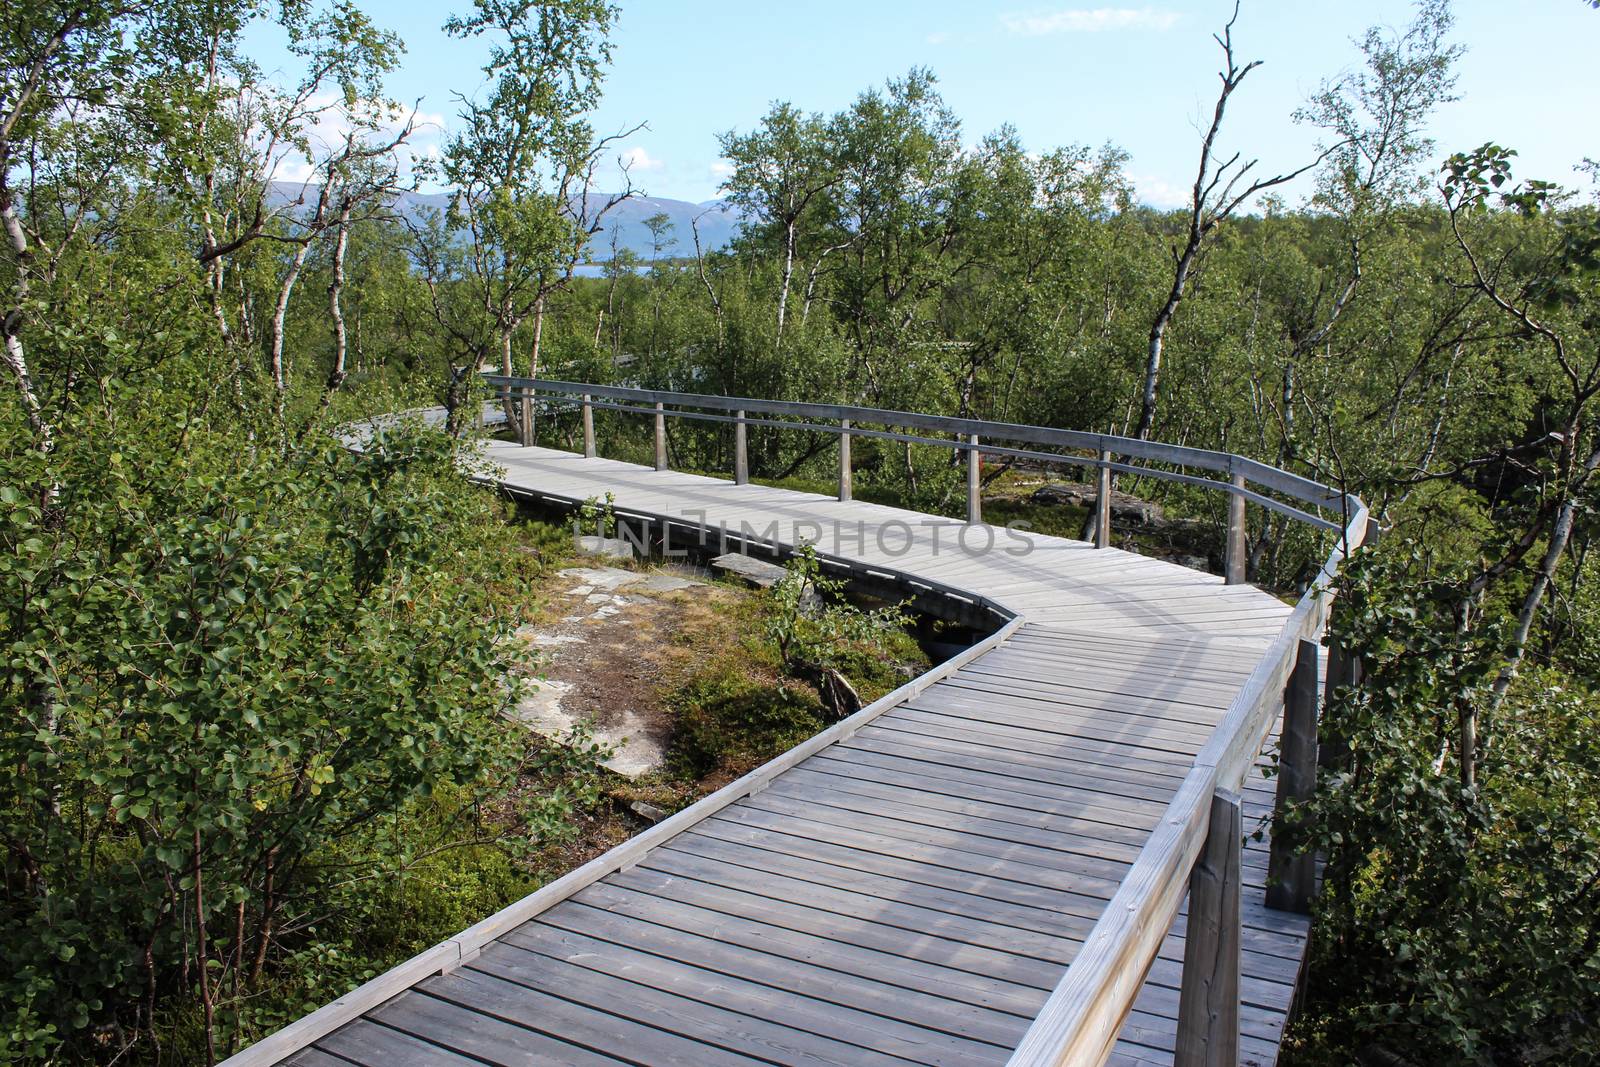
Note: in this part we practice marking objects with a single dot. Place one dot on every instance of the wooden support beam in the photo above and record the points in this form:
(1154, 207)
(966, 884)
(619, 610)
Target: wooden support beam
(974, 481)
(1208, 1003)
(1291, 876)
(1102, 503)
(588, 428)
(844, 461)
(1235, 558)
(1343, 671)
(741, 456)
(661, 437)
(525, 416)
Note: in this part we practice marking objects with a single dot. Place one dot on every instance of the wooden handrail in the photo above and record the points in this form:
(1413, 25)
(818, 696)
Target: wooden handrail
(842, 419)
(1080, 1021)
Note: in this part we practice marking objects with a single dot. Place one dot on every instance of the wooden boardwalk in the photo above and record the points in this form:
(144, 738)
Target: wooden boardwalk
(912, 886)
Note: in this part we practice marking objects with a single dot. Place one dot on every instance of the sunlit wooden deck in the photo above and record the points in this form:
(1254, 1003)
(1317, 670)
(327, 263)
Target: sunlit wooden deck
(910, 887)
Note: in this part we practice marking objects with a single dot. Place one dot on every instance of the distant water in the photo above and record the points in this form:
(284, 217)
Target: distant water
(598, 270)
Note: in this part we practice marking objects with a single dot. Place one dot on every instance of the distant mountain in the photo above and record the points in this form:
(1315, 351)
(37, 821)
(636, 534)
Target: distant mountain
(719, 221)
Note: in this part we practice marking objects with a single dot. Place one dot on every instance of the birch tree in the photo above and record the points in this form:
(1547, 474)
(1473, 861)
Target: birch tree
(1221, 187)
(521, 171)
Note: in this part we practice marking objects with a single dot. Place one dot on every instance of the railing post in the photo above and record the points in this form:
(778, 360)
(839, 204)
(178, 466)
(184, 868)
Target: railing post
(974, 481)
(844, 461)
(1208, 1003)
(527, 435)
(1102, 503)
(741, 457)
(1291, 876)
(1234, 556)
(661, 437)
(1344, 669)
(588, 428)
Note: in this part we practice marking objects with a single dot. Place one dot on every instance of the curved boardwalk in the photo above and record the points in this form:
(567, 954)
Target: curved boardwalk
(910, 887)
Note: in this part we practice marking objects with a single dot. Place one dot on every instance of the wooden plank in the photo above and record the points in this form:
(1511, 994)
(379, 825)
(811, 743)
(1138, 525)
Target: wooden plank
(970, 1002)
(1015, 953)
(1154, 663)
(373, 1045)
(690, 1017)
(902, 762)
(954, 1032)
(1009, 764)
(478, 1036)
(973, 833)
(1109, 774)
(950, 942)
(1143, 739)
(1023, 904)
(1183, 720)
(1087, 850)
(874, 1035)
(833, 830)
(601, 1031)
(917, 802)
(314, 1057)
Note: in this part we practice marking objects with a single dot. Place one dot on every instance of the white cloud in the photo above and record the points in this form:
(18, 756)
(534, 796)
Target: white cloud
(1089, 20)
(1157, 192)
(722, 170)
(636, 158)
(937, 38)
(329, 121)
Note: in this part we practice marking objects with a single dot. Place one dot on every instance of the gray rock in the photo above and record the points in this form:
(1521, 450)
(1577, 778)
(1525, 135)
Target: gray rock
(1059, 495)
(756, 572)
(663, 583)
(606, 547)
(1125, 509)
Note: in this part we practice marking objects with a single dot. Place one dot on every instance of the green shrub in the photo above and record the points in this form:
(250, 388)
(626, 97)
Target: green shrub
(726, 718)
(221, 660)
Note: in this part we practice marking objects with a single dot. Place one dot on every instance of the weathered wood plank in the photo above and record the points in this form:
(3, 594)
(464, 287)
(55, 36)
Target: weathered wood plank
(543, 1014)
(845, 1024)
(691, 1017)
(954, 1032)
(479, 1036)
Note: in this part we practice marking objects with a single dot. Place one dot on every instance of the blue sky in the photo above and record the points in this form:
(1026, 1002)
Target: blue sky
(1134, 74)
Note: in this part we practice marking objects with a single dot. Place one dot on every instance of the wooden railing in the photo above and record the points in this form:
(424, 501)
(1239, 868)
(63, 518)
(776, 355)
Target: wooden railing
(1197, 845)
(1245, 480)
